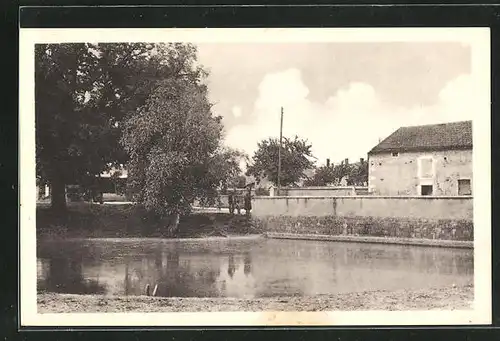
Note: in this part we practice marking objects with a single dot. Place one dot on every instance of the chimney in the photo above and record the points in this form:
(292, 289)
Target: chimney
(328, 162)
(346, 161)
(361, 160)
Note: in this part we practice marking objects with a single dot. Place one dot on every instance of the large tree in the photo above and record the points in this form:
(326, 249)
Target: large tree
(82, 94)
(296, 157)
(66, 126)
(175, 146)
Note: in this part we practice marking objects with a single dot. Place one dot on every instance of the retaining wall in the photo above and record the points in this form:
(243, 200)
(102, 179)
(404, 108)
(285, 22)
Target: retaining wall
(444, 218)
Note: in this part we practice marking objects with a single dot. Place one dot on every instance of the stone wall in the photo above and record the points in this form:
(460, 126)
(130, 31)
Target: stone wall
(446, 218)
(399, 174)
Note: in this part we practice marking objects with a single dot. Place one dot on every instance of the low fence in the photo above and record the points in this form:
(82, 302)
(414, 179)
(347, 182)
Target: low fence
(447, 218)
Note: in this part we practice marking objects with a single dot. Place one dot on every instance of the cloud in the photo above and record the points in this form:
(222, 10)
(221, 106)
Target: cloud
(462, 98)
(281, 89)
(350, 122)
(236, 110)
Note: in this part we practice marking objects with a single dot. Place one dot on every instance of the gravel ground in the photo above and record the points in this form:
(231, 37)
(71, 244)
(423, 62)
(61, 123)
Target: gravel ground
(447, 298)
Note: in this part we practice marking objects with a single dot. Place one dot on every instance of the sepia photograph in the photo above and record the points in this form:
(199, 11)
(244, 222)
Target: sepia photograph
(255, 176)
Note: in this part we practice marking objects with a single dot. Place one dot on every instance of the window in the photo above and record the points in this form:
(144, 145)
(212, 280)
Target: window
(426, 189)
(395, 154)
(464, 187)
(425, 168)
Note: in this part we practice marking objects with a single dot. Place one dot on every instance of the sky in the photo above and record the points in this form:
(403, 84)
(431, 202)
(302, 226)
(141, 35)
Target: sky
(342, 97)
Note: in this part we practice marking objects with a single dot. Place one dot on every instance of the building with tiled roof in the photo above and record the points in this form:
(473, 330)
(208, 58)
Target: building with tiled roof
(446, 136)
(423, 160)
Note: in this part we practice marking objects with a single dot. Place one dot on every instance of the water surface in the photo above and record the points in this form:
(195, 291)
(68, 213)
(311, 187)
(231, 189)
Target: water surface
(244, 267)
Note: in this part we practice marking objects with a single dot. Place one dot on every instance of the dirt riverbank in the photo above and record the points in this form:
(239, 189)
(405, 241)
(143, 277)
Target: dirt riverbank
(83, 220)
(446, 298)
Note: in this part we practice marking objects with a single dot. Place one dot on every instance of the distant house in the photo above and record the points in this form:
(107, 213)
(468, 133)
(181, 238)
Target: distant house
(423, 160)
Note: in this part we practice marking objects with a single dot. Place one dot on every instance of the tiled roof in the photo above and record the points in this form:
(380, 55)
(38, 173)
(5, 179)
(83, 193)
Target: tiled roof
(446, 136)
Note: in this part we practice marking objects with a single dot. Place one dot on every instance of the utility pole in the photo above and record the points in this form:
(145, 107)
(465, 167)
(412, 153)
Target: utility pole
(279, 153)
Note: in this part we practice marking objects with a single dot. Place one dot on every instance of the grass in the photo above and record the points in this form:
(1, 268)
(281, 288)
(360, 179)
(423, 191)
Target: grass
(127, 220)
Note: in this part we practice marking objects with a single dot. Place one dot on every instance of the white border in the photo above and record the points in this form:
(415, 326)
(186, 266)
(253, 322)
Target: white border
(477, 38)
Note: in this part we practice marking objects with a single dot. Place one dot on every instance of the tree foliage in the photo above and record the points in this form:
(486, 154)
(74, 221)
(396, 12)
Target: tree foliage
(239, 181)
(175, 145)
(83, 92)
(358, 175)
(323, 176)
(296, 157)
(66, 128)
(355, 174)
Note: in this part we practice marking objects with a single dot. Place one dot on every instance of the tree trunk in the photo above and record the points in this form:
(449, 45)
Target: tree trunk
(58, 195)
(174, 224)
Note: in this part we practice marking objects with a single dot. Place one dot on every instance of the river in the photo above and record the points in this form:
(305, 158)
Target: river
(243, 267)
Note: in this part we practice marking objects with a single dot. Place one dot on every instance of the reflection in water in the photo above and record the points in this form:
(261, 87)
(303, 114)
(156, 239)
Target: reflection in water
(64, 275)
(244, 268)
(247, 267)
(175, 278)
(231, 268)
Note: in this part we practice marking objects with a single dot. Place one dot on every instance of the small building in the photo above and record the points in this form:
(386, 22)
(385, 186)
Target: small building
(423, 160)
